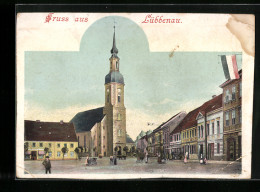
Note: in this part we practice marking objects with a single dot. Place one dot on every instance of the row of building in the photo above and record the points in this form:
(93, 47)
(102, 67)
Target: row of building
(212, 130)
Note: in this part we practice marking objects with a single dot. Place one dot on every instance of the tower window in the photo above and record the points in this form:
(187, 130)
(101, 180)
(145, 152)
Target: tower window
(119, 95)
(118, 116)
(117, 65)
(119, 132)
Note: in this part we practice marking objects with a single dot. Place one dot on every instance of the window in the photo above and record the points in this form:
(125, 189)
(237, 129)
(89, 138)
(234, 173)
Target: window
(104, 137)
(199, 131)
(117, 65)
(119, 116)
(107, 95)
(58, 145)
(58, 154)
(233, 117)
(227, 118)
(212, 128)
(49, 144)
(234, 93)
(207, 129)
(240, 89)
(218, 147)
(41, 145)
(190, 134)
(34, 144)
(240, 114)
(65, 144)
(50, 153)
(71, 145)
(218, 127)
(183, 135)
(85, 141)
(104, 146)
(227, 96)
(195, 132)
(72, 154)
(119, 132)
(118, 95)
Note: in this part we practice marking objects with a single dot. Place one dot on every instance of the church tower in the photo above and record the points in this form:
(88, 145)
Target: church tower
(114, 104)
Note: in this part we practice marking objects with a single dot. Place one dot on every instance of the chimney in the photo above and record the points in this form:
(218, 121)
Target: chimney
(61, 121)
(37, 120)
(213, 96)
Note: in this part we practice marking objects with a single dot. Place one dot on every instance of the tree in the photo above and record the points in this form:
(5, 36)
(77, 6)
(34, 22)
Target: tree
(46, 150)
(125, 149)
(77, 151)
(26, 146)
(64, 150)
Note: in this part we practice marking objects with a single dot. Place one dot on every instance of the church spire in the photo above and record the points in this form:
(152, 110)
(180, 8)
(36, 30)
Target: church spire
(114, 50)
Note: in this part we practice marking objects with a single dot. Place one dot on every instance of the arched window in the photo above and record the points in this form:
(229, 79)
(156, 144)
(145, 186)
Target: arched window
(119, 132)
(117, 65)
(118, 116)
(108, 95)
(119, 95)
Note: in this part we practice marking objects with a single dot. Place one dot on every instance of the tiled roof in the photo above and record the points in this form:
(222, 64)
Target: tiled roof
(49, 131)
(190, 119)
(84, 121)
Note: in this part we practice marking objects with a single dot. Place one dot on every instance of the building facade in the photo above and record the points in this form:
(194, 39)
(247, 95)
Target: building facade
(168, 127)
(51, 135)
(232, 116)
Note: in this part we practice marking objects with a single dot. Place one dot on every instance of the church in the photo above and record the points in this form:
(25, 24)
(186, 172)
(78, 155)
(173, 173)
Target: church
(102, 130)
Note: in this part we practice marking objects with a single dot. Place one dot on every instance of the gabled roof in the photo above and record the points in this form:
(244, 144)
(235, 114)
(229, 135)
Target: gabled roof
(84, 121)
(49, 131)
(188, 121)
(164, 123)
(191, 118)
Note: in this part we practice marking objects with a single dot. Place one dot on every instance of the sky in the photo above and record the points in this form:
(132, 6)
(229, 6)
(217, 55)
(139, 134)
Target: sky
(58, 84)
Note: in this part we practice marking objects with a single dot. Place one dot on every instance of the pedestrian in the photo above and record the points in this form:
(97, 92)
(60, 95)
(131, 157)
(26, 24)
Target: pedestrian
(201, 159)
(115, 160)
(185, 158)
(111, 160)
(47, 165)
(172, 155)
(205, 161)
(146, 157)
(87, 161)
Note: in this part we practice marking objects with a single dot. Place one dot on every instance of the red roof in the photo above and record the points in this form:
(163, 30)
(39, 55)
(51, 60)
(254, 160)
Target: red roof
(49, 131)
(190, 119)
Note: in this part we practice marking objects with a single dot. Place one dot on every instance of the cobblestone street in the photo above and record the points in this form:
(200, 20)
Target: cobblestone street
(130, 166)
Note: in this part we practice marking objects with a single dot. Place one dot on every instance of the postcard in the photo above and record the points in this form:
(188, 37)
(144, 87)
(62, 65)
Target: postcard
(134, 95)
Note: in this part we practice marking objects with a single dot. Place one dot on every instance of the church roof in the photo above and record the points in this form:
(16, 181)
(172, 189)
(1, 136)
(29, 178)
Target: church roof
(129, 139)
(49, 131)
(114, 76)
(84, 121)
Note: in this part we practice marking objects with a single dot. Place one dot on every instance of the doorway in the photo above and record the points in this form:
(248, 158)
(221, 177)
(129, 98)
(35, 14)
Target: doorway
(231, 149)
(34, 155)
(211, 151)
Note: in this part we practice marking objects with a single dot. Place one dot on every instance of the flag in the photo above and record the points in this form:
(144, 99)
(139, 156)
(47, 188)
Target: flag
(229, 64)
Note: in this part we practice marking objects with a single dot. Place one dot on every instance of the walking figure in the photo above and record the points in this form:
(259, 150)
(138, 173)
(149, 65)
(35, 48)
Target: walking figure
(47, 165)
(146, 157)
(185, 158)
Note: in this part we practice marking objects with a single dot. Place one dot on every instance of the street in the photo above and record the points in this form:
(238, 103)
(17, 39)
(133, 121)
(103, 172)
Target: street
(130, 166)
